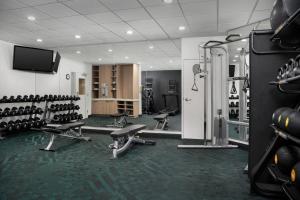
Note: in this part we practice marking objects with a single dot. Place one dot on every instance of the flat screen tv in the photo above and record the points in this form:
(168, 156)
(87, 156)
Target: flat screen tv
(33, 59)
(56, 63)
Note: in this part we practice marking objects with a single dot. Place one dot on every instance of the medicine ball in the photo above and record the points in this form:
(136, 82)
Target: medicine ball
(280, 115)
(292, 123)
(278, 14)
(290, 7)
(286, 157)
(295, 175)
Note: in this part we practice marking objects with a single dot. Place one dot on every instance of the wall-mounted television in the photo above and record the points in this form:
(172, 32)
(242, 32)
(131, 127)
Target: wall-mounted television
(33, 59)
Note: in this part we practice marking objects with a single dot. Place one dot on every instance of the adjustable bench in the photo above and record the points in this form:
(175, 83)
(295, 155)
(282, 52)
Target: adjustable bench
(162, 121)
(120, 120)
(125, 137)
(66, 130)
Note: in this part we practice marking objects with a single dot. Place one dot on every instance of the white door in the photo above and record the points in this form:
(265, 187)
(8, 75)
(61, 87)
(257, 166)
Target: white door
(79, 88)
(193, 102)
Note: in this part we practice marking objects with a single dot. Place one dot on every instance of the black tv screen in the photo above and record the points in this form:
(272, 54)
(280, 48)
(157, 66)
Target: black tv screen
(33, 59)
(56, 63)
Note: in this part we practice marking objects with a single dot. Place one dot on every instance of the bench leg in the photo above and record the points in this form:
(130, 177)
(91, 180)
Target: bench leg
(142, 141)
(117, 150)
(165, 123)
(48, 148)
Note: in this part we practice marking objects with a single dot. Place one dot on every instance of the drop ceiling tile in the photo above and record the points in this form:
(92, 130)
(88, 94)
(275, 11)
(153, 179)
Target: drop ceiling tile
(170, 25)
(11, 4)
(149, 29)
(155, 2)
(29, 26)
(108, 37)
(166, 11)
(53, 24)
(77, 21)
(133, 14)
(102, 18)
(200, 8)
(25, 12)
(265, 5)
(226, 6)
(36, 2)
(260, 15)
(56, 10)
(87, 6)
(121, 4)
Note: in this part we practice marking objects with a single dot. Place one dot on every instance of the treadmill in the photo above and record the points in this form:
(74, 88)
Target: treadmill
(172, 93)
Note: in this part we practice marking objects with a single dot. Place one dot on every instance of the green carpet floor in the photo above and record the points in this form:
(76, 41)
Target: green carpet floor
(84, 170)
(102, 121)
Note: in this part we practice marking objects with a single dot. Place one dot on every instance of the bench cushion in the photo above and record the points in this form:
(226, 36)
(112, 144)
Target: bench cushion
(161, 117)
(68, 126)
(130, 130)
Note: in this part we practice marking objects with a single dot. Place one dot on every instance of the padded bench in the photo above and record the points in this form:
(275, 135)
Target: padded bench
(66, 130)
(124, 138)
(161, 121)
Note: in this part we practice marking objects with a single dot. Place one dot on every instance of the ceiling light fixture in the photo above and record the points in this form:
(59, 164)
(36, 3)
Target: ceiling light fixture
(129, 32)
(126, 57)
(244, 40)
(99, 59)
(77, 36)
(170, 61)
(239, 49)
(109, 50)
(151, 67)
(168, 1)
(236, 56)
(31, 18)
(181, 28)
(234, 60)
(39, 40)
(78, 52)
(151, 47)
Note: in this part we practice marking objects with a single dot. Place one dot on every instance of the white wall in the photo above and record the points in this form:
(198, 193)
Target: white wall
(14, 82)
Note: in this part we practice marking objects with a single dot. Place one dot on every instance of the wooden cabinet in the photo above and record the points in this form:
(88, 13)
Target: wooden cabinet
(116, 83)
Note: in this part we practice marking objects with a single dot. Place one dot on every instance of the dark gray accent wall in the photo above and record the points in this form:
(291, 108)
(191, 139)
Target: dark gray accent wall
(161, 86)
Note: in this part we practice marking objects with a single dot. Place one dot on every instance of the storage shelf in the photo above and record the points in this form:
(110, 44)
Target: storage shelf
(291, 191)
(277, 174)
(286, 135)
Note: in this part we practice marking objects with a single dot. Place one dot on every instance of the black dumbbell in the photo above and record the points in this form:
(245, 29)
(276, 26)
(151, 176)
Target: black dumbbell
(21, 110)
(67, 97)
(43, 122)
(31, 98)
(3, 125)
(39, 111)
(50, 98)
(59, 97)
(63, 97)
(30, 122)
(4, 99)
(24, 124)
(6, 112)
(36, 122)
(56, 117)
(55, 98)
(77, 98)
(18, 125)
(25, 98)
(80, 117)
(33, 110)
(77, 107)
(19, 98)
(13, 111)
(27, 110)
(10, 126)
(11, 99)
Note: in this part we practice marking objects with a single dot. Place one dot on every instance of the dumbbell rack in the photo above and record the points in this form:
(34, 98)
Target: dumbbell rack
(234, 108)
(48, 111)
(265, 140)
(33, 103)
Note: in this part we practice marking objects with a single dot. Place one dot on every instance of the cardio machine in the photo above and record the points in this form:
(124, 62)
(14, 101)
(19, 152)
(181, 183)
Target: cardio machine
(172, 93)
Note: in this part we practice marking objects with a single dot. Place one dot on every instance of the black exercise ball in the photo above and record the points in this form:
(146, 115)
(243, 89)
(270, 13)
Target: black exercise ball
(278, 14)
(280, 122)
(292, 123)
(277, 113)
(286, 157)
(295, 175)
(291, 6)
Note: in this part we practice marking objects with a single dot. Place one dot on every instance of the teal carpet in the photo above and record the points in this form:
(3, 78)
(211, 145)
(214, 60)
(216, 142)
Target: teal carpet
(102, 121)
(84, 170)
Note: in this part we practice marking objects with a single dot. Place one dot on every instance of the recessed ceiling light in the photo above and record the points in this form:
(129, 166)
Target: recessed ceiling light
(39, 40)
(236, 56)
(31, 18)
(244, 40)
(239, 49)
(234, 60)
(181, 28)
(109, 50)
(99, 59)
(170, 61)
(151, 67)
(77, 36)
(126, 57)
(129, 32)
(78, 52)
(151, 47)
(168, 1)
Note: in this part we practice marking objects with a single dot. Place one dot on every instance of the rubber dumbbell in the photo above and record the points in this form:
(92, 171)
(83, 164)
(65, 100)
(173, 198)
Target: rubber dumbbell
(56, 117)
(27, 110)
(10, 126)
(18, 124)
(77, 98)
(36, 122)
(18, 98)
(59, 98)
(30, 122)
(39, 111)
(6, 112)
(24, 124)
(31, 98)
(21, 110)
(68, 97)
(50, 98)
(43, 123)
(33, 110)
(3, 125)
(63, 97)
(11, 99)
(77, 107)
(286, 157)
(25, 98)
(13, 111)
(80, 117)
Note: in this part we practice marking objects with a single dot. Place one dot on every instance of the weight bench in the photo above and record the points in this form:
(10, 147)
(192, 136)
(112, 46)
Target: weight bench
(162, 121)
(120, 120)
(66, 130)
(125, 137)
